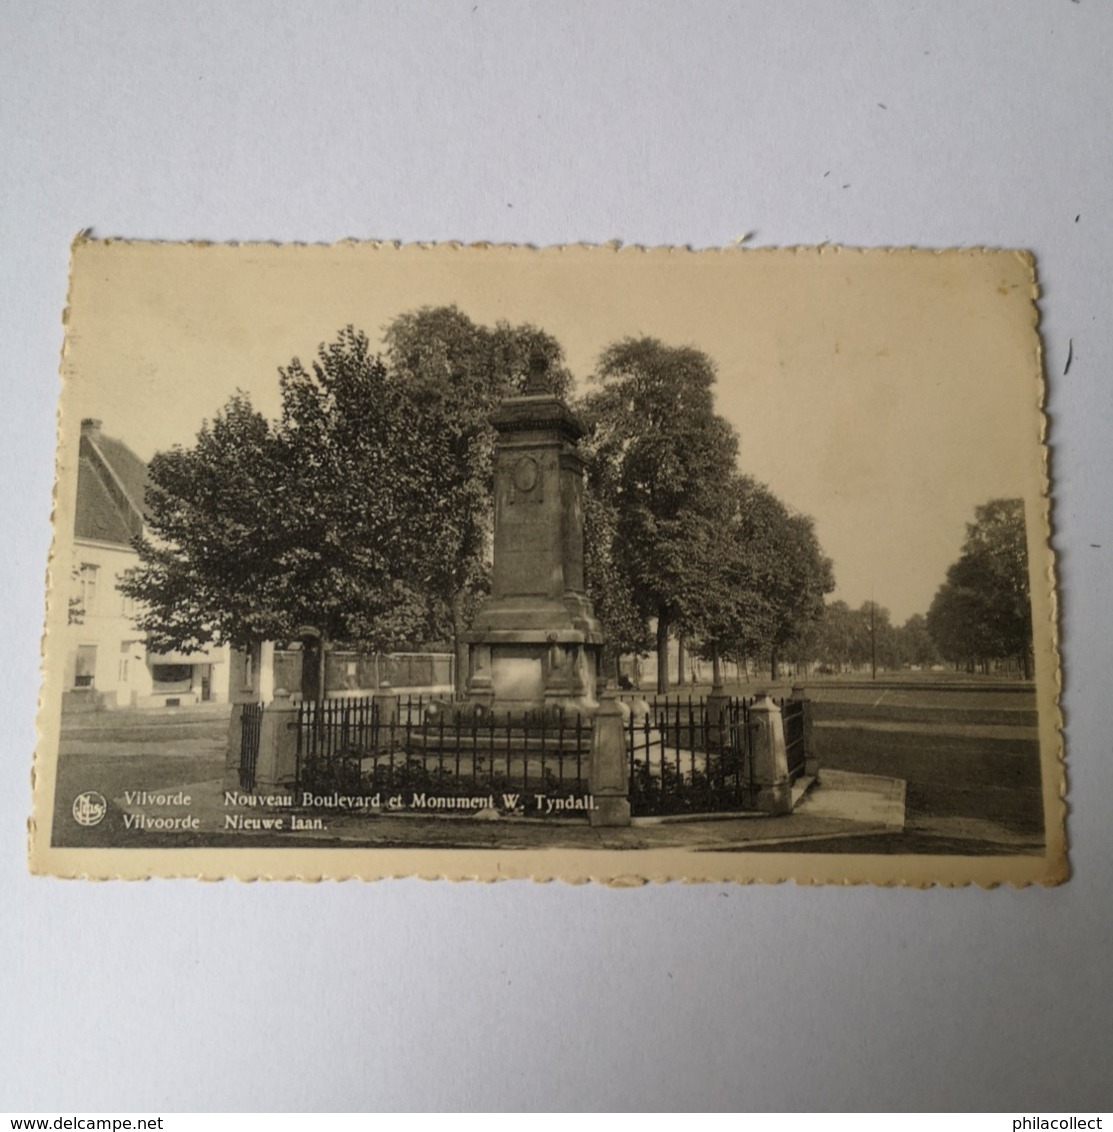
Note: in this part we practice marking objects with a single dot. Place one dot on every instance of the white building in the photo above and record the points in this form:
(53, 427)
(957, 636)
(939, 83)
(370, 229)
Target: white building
(108, 663)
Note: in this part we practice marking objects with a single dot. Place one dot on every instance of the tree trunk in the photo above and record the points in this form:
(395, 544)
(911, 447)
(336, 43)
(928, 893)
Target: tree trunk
(662, 653)
(716, 668)
(459, 646)
(310, 672)
(313, 669)
(681, 658)
(773, 665)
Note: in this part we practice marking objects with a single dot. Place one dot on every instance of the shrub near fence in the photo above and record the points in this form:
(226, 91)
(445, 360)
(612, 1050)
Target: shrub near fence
(685, 758)
(697, 755)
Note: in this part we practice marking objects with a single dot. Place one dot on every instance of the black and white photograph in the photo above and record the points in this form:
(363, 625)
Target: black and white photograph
(557, 557)
(599, 561)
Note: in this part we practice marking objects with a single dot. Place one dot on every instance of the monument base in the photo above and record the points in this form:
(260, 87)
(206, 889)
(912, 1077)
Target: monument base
(522, 675)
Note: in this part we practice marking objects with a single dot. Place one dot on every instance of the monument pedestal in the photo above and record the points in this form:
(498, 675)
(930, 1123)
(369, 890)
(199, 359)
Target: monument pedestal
(536, 643)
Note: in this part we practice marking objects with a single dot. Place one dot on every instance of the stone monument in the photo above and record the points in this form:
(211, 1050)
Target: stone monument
(536, 643)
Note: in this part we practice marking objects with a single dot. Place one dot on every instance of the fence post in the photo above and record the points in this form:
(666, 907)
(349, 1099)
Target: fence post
(608, 770)
(278, 745)
(716, 706)
(385, 707)
(233, 748)
(811, 761)
(767, 735)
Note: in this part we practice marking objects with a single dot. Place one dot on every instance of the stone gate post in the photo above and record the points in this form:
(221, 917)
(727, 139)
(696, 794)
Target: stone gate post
(608, 768)
(385, 704)
(774, 790)
(243, 689)
(277, 766)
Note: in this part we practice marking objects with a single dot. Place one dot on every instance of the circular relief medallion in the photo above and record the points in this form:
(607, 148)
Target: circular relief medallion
(525, 474)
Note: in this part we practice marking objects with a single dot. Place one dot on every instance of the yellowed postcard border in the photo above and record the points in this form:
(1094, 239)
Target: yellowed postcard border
(575, 865)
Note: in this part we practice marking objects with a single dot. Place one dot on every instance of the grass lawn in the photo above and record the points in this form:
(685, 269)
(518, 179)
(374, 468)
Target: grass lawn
(121, 751)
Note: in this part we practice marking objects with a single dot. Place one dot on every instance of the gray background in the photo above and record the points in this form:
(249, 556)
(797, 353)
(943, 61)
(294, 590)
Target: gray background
(662, 123)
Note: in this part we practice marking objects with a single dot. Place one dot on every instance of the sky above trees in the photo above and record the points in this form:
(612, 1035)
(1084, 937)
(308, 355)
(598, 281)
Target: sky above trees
(886, 396)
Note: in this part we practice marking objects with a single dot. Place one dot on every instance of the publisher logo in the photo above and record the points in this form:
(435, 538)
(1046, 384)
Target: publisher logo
(89, 808)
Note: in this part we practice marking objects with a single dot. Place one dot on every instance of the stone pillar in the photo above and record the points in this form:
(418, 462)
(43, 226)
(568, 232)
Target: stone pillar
(479, 687)
(609, 768)
(277, 766)
(535, 643)
(265, 678)
(245, 682)
(385, 706)
(767, 738)
(811, 761)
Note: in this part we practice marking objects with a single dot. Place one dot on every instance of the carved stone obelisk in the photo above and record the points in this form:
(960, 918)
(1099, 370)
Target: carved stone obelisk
(536, 643)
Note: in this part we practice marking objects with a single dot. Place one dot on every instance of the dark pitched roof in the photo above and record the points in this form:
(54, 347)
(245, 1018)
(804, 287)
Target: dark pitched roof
(111, 484)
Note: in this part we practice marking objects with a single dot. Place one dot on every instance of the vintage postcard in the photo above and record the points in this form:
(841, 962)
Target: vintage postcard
(589, 563)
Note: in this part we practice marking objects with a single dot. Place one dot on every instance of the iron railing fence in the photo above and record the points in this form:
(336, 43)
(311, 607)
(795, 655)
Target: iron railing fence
(792, 712)
(250, 725)
(682, 757)
(431, 745)
(687, 759)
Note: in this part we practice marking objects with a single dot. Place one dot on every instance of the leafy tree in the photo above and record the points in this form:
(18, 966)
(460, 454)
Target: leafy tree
(881, 636)
(456, 373)
(841, 637)
(803, 649)
(955, 622)
(369, 483)
(983, 610)
(660, 461)
(802, 578)
(328, 518)
(765, 577)
(914, 643)
(626, 629)
(854, 638)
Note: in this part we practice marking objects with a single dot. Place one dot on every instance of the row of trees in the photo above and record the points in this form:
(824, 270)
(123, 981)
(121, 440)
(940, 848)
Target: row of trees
(364, 511)
(682, 540)
(981, 615)
(845, 639)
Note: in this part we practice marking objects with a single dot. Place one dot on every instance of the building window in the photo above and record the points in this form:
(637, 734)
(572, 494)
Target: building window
(123, 670)
(85, 672)
(87, 587)
(171, 677)
(127, 604)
